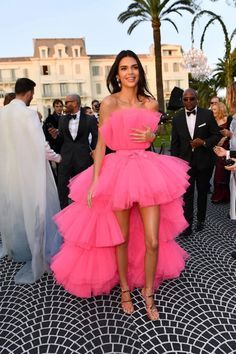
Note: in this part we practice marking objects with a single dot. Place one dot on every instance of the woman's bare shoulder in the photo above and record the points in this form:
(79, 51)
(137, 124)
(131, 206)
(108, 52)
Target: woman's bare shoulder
(108, 105)
(151, 104)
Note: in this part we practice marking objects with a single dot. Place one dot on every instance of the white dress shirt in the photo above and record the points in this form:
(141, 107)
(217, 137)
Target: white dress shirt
(191, 121)
(74, 125)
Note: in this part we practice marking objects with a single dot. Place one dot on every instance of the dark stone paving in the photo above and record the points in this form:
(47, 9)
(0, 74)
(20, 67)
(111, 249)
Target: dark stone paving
(197, 311)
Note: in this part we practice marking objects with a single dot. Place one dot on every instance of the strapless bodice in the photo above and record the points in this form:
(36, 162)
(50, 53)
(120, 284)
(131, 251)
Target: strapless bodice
(117, 129)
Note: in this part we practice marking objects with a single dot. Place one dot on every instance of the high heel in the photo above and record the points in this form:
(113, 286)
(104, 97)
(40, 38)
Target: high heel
(151, 309)
(130, 309)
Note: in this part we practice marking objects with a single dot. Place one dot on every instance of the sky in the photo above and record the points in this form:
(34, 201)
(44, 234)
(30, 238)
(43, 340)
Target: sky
(96, 21)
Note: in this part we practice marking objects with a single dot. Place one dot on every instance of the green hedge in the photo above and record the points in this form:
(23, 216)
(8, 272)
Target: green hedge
(164, 135)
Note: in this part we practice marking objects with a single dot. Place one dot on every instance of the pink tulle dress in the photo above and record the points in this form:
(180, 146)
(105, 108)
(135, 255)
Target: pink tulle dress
(86, 263)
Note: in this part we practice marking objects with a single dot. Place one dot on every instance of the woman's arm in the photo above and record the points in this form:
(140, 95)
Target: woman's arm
(105, 111)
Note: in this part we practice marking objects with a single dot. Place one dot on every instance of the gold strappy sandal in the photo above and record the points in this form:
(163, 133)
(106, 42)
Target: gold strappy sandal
(123, 302)
(151, 309)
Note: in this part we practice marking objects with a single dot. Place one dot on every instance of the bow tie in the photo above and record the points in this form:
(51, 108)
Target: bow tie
(74, 116)
(191, 112)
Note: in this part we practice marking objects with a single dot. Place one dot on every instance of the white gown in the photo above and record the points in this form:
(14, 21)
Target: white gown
(232, 211)
(28, 194)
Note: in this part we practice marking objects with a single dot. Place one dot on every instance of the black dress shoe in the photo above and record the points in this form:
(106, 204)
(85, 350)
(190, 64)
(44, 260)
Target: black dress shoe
(200, 226)
(233, 254)
(187, 232)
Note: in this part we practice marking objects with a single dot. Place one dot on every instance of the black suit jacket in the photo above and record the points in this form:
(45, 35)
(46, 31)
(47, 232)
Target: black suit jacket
(76, 152)
(52, 121)
(206, 129)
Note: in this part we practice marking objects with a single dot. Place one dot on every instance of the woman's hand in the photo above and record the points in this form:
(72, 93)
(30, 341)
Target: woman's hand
(219, 151)
(226, 133)
(143, 135)
(90, 194)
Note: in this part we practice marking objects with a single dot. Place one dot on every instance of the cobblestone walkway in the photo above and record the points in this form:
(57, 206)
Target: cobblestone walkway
(197, 311)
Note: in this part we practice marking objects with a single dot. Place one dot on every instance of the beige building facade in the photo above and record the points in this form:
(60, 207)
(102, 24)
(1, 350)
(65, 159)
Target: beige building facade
(61, 66)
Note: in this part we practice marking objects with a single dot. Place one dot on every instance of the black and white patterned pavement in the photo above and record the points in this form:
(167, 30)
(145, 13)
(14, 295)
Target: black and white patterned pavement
(197, 311)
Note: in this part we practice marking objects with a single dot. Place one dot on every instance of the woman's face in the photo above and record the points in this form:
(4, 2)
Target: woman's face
(215, 110)
(128, 72)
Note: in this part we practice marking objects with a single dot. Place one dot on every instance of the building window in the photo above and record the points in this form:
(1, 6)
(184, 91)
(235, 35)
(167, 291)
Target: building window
(47, 90)
(80, 88)
(25, 73)
(43, 50)
(61, 69)
(2, 94)
(166, 67)
(77, 69)
(176, 67)
(95, 70)
(98, 89)
(167, 52)
(107, 70)
(76, 52)
(178, 83)
(13, 74)
(45, 70)
(60, 53)
(63, 89)
(43, 53)
(167, 85)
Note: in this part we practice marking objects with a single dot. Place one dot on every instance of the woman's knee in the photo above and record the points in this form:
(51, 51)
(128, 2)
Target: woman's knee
(152, 245)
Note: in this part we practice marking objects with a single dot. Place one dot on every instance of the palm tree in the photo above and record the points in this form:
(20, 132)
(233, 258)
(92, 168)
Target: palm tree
(156, 11)
(225, 70)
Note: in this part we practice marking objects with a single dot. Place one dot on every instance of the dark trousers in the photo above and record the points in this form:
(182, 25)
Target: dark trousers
(64, 176)
(200, 179)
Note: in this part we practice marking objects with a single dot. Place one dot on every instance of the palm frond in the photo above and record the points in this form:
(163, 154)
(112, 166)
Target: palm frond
(232, 35)
(177, 10)
(133, 25)
(169, 20)
(204, 31)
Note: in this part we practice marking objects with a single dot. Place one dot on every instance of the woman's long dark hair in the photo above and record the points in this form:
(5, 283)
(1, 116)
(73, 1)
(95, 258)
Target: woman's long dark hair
(112, 83)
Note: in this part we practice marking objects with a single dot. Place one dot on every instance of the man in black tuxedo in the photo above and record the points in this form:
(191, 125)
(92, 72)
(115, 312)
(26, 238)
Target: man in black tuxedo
(194, 134)
(73, 133)
(52, 121)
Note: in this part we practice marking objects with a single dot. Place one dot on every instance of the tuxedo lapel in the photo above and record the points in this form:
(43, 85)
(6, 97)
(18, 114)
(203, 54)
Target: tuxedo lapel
(82, 125)
(185, 125)
(198, 122)
(66, 125)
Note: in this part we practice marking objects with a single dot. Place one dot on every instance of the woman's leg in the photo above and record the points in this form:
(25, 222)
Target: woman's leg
(150, 217)
(122, 260)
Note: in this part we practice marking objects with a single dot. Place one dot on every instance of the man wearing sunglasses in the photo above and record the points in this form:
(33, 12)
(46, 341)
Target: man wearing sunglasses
(194, 134)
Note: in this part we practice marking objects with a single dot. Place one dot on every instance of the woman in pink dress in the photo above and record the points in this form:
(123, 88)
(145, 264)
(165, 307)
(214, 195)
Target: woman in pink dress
(127, 208)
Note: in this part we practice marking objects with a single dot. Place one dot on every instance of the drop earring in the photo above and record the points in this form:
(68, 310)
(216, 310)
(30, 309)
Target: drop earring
(118, 81)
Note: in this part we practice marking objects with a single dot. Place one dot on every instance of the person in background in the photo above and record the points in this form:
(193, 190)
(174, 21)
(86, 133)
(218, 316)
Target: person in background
(95, 107)
(232, 169)
(221, 192)
(28, 194)
(72, 135)
(52, 121)
(88, 110)
(194, 134)
(8, 98)
(122, 225)
(222, 153)
(214, 100)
